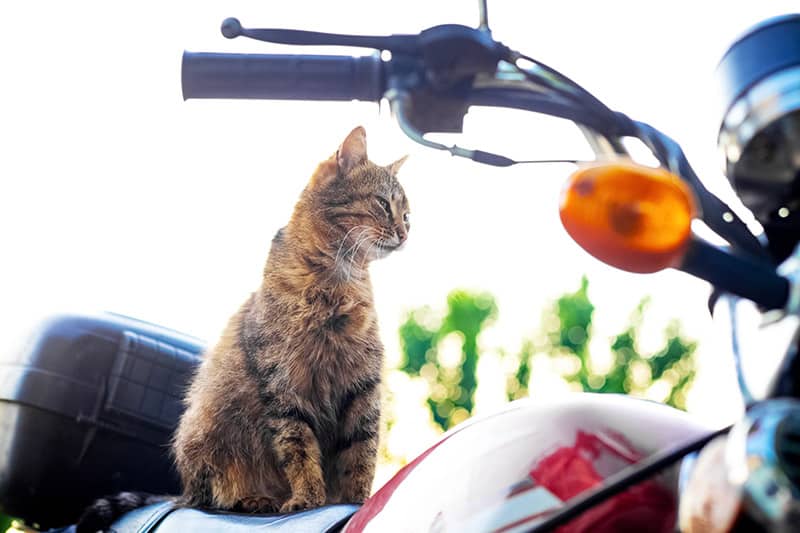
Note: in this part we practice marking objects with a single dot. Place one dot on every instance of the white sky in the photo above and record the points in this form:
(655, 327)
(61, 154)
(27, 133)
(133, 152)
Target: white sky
(115, 194)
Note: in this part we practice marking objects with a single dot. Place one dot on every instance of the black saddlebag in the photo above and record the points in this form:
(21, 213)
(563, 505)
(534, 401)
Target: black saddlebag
(87, 408)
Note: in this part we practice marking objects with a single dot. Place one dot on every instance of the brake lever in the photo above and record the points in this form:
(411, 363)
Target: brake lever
(232, 28)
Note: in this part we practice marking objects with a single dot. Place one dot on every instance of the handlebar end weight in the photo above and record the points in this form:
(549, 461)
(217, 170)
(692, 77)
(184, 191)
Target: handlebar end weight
(231, 28)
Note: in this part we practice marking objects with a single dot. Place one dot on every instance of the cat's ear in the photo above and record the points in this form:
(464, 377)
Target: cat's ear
(352, 152)
(394, 168)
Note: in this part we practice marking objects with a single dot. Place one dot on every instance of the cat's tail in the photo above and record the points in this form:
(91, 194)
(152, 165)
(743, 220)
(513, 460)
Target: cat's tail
(103, 512)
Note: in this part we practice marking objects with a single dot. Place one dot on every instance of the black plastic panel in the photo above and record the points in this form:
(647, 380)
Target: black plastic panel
(148, 378)
(88, 408)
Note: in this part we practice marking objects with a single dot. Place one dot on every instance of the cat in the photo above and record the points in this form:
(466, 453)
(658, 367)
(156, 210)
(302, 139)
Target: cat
(283, 413)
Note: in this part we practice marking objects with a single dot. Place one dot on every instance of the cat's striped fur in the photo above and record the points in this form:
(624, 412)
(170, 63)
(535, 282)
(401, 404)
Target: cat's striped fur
(283, 413)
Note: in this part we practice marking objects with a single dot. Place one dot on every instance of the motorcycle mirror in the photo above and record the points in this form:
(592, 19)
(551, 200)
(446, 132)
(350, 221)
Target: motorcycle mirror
(633, 217)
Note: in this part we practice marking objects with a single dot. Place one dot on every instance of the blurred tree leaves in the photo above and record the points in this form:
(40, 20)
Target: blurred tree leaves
(443, 349)
(423, 336)
(567, 333)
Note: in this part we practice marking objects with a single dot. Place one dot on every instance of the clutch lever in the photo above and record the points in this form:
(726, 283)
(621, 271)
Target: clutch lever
(232, 28)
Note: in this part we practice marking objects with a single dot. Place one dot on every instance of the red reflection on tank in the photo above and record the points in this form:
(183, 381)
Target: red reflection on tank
(570, 470)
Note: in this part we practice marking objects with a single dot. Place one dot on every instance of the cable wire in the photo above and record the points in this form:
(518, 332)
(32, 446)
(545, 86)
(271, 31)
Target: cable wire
(582, 95)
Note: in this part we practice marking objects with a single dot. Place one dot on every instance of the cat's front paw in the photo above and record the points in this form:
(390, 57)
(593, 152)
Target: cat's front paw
(256, 504)
(302, 502)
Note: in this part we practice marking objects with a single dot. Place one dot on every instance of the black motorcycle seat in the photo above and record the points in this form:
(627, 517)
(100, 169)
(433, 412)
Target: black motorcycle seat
(165, 517)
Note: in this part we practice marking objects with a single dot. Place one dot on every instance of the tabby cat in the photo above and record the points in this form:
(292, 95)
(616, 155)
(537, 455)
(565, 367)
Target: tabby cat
(283, 412)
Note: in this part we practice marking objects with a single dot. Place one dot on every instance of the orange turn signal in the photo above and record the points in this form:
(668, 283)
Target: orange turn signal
(632, 217)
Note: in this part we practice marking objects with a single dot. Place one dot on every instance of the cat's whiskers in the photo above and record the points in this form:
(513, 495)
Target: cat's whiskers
(343, 260)
(354, 255)
(351, 253)
(353, 250)
(388, 240)
(377, 242)
(344, 240)
(366, 255)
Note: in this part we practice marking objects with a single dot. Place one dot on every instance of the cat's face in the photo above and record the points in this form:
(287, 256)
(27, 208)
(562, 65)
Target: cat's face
(363, 204)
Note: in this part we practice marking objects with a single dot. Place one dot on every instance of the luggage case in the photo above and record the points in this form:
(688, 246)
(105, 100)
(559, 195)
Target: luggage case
(87, 408)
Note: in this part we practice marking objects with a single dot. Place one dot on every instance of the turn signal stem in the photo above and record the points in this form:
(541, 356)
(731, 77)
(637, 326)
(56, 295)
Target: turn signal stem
(738, 275)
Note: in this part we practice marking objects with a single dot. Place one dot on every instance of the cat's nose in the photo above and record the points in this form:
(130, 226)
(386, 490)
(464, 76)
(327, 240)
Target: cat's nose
(402, 235)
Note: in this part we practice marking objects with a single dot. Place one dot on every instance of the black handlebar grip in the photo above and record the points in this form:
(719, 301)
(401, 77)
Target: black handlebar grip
(282, 77)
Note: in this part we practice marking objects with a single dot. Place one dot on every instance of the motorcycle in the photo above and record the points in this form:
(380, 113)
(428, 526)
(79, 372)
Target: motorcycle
(599, 463)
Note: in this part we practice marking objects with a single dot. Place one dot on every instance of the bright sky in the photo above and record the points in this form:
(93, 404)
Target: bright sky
(115, 194)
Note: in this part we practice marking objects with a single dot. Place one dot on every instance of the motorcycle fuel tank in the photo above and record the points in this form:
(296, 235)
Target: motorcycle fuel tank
(506, 471)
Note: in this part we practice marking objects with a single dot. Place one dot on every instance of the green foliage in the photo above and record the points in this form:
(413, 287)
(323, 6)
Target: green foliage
(452, 390)
(5, 522)
(418, 338)
(574, 312)
(567, 332)
(517, 383)
(565, 336)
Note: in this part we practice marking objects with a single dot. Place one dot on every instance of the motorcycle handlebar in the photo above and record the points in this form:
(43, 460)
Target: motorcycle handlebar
(346, 78)
(282, 77)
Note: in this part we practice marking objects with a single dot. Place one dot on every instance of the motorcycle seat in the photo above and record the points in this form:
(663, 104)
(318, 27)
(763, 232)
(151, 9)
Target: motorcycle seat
(166, 517)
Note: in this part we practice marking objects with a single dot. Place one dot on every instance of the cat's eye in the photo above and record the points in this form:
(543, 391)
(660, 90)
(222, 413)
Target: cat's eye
(406, 217)
(384, 203)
